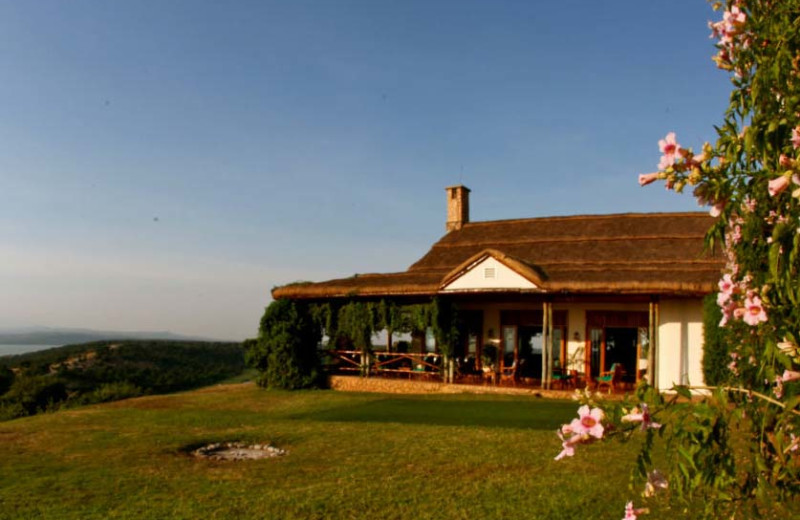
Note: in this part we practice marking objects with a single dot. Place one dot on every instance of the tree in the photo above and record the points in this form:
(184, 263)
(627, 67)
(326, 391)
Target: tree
(285, 352)
(737, 451)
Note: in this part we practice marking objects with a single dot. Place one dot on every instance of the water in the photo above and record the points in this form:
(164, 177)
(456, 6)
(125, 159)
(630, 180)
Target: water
(11, 350)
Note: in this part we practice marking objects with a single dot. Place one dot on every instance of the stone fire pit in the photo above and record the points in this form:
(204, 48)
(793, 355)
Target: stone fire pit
(238, 451)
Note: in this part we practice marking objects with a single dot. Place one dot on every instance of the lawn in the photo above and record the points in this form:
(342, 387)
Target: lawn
(350, 456)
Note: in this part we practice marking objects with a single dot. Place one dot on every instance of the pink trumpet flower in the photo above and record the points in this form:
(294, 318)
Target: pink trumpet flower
(647, 178)
(796, 137)
(588, 422)
(630, 512)
(776, 186)
(642, 416)
(753, 311)
(670, 148)
(734, 19)
(790, 375)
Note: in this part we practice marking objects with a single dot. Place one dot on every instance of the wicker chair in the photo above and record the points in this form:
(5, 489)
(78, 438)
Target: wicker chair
(612, 378)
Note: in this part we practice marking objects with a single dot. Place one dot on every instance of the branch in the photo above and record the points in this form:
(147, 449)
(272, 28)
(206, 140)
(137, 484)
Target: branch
(741, 390)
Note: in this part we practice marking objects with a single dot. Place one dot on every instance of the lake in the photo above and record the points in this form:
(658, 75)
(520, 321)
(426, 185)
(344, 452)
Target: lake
(11, 350)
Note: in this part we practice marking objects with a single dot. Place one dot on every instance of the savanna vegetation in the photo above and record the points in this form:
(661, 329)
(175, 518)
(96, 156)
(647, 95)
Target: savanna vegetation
(110, 370)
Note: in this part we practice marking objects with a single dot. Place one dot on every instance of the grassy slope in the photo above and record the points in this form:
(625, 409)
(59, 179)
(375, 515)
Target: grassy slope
(351, 456)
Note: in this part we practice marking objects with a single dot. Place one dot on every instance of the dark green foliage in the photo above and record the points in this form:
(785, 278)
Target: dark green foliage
(716, 356)
(110, 370)
(6, 379)
(286, 352)
(444, 321)
(357, 322)
(36, 393)
(114, 392)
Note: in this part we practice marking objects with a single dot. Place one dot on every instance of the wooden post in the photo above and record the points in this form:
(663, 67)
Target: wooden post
(547, 340)
(652, 329)
(550, 344)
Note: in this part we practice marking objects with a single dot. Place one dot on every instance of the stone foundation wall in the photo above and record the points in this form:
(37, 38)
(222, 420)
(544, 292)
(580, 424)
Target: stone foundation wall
(404, 386)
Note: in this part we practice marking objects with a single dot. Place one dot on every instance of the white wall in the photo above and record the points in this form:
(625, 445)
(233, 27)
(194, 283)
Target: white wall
(680, 343)
(504, 278)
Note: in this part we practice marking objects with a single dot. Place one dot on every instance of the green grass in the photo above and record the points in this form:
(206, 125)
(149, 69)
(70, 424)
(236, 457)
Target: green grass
(350, 456)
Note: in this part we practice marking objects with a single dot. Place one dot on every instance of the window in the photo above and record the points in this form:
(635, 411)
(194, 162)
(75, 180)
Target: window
(430, 340)
(488, 272)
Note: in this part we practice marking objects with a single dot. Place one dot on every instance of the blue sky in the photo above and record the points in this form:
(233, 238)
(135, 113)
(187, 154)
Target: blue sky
(164, 164)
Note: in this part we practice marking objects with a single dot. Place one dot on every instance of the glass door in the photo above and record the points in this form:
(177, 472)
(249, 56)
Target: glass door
(530, 351)
(595, 351)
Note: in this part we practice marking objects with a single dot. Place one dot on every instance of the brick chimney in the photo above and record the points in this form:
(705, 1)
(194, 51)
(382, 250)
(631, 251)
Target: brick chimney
(457, 207)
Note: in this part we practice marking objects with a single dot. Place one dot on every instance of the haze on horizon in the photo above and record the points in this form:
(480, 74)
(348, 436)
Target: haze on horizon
(164, 165)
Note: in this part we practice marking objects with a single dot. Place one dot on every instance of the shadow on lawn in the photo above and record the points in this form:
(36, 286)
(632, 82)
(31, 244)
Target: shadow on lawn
(536, 415)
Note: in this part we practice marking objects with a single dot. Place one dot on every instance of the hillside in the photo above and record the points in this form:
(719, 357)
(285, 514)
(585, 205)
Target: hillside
(110, 370)
(65, 336)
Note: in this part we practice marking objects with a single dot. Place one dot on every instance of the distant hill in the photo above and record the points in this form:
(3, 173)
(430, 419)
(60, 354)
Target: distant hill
(109, 370)
(66, 336)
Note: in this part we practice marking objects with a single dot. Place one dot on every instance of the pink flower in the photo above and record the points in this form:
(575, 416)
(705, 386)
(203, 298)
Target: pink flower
(716, 209)
(666, 161)
(588, 422)
(668, 146)
(647, 178)
(776, 186)
(630, 513)
(567, 449)
(790, 375)
(670, 149)
(754, 311)
(785, 161)
(732, 366)
(642, 416)
(727, 309)
(796, 137)
(736, 234)
(726, 284)
(734, 19)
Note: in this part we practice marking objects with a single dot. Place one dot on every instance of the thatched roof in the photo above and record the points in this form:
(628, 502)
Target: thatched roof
(632, 253)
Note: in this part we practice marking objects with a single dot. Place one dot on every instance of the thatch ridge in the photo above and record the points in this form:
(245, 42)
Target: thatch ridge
(590, 216)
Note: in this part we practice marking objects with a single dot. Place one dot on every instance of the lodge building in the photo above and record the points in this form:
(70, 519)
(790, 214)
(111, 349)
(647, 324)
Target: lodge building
(602, 291)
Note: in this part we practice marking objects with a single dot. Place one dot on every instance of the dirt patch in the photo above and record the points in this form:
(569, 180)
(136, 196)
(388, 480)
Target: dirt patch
(237, 451)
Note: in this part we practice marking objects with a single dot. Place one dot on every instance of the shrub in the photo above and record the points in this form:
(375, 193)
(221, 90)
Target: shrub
(36, 393)
(285, 353)
(715, 353)
(11, 410)
(114, 392)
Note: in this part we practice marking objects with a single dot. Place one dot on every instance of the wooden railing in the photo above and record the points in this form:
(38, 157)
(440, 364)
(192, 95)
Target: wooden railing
(383, 362)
